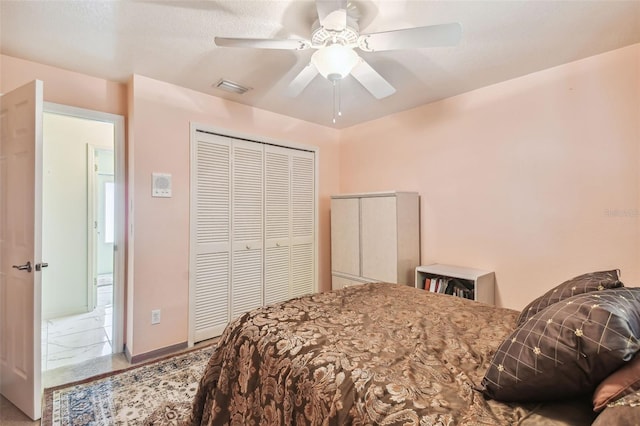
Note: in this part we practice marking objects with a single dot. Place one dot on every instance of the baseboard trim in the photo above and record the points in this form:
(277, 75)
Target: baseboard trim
(127, 353)
(155, 353)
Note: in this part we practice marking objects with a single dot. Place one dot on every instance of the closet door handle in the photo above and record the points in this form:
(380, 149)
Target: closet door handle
(248, 247)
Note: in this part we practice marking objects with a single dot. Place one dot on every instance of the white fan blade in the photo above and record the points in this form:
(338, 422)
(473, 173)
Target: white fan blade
(412, 38)
(301, 81)
(263, 43)
(371, 80)
(332, 14)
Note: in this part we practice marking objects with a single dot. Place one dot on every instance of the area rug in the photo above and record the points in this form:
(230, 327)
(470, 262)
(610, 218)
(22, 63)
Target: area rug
(158, 392)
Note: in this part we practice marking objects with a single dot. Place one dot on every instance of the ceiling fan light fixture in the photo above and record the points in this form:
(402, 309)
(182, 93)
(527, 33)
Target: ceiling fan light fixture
(334, 62)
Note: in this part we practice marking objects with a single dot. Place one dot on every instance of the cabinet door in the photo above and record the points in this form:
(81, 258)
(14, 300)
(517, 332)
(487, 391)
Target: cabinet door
(379, 238)
(211, 235)
(246, 229)
(338, 282)
(345, 235)
(302, 223)
(277, 222)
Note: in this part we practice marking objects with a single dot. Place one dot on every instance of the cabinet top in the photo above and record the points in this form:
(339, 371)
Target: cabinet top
(453, 271)
(375, 194)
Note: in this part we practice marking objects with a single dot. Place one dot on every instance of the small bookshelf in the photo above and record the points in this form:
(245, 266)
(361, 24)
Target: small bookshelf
(474, 284)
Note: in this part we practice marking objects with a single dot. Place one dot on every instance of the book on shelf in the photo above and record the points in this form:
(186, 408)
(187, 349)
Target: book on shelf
(451, 286)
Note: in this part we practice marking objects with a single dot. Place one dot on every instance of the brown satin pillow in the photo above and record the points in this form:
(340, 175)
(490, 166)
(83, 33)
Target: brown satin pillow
(622, 382)
(567, 349)
(585, 283)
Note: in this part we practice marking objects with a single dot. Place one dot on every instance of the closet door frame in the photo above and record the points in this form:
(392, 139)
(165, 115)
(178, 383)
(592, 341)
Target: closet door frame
(207, 128)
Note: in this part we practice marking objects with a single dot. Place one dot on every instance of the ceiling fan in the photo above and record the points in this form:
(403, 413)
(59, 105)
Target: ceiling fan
(336, 35)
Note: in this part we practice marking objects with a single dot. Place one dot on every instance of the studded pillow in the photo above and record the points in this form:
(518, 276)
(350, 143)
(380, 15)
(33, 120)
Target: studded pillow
(567, 349)
(585, 283)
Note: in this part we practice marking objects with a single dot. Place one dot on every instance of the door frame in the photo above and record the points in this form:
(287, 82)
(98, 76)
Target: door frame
(91, 238)
(120, 209)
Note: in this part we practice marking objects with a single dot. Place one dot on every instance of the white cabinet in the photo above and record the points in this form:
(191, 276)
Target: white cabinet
(374, 237)
(345, 236)
(252, 228)
(479, 283)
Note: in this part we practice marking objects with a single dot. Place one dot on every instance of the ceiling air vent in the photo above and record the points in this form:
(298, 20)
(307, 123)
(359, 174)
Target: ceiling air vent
(232, 87)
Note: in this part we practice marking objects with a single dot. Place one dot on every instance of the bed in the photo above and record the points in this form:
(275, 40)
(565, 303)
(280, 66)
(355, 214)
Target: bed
(376, 354)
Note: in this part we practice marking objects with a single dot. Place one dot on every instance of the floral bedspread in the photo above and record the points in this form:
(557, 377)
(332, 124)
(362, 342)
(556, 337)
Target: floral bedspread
(383, 354)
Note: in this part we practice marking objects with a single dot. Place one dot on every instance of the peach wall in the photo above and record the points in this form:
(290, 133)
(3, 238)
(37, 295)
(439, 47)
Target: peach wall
(64, 87)
(159, 142)
(536, 178)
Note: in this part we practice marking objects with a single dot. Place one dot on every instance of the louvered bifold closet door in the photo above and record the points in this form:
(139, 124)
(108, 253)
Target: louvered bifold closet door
(247, 227)
(277, 224)
(211, 260)
(302, 223)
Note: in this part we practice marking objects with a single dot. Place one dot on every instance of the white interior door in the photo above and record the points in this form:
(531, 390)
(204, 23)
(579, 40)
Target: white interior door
(100, 233)
(210, 258)
(247, 227)
(21, 246)
(104, 212)
(277, 224)
(302, 223)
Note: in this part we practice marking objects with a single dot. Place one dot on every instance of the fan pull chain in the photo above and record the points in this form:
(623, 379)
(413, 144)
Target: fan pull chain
(337, 100)
(334, 82)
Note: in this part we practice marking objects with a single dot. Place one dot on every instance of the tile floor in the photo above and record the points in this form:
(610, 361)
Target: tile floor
(78, 338)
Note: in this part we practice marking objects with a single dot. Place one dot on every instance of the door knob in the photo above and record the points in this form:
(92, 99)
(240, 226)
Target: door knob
(25, 267)
(39, 266)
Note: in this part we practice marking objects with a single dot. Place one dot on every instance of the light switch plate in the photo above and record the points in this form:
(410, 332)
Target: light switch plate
(155, 316)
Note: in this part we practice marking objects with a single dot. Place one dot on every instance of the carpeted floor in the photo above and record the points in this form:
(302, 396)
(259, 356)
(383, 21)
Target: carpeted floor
(159, 392)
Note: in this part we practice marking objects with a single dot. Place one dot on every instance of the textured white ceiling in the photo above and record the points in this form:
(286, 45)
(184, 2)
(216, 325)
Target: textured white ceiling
(172, 40)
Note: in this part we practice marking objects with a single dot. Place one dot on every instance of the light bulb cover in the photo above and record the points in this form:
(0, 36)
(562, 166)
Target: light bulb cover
(335, 62)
